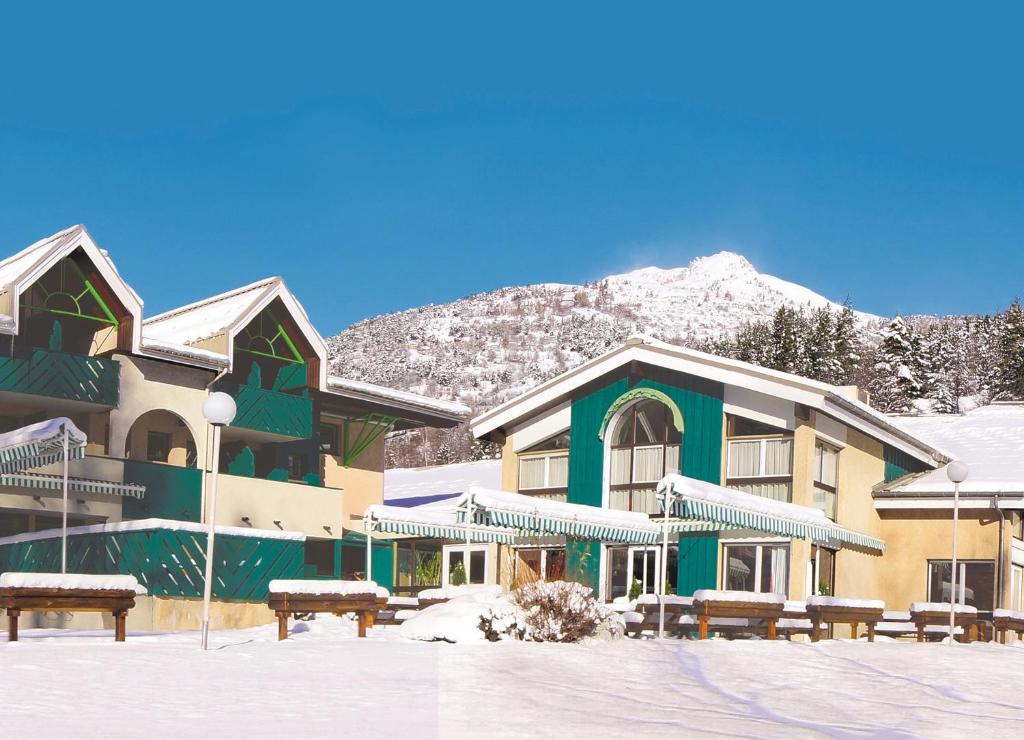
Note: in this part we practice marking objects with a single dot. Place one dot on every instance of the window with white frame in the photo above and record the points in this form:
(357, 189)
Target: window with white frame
(465, 564)
(759, 460)
(543, 471)
(645, 445)
(761, 567)
(826, 478)
(975, 582)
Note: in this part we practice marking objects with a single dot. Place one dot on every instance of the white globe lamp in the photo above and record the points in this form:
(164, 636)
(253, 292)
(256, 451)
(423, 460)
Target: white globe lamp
(219, 409)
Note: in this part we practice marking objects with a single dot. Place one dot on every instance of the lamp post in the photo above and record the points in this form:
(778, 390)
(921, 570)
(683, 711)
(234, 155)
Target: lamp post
(957, 473)
(219, 410)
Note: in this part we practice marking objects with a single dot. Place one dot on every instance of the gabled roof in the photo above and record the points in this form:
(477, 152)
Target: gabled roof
(989, 439)
(20, 271)
(360, 391)
(179, 331)
(828, 399)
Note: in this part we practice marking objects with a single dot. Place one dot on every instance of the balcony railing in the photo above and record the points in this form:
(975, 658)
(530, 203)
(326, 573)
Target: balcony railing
(271, 411)
(43, 372)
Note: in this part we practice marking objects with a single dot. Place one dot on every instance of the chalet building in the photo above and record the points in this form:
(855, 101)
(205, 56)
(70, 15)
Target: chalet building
(298, 465)
(604, 434)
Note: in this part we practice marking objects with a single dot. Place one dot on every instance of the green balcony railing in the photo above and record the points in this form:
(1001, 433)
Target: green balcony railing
(271, 411)
(43, 372)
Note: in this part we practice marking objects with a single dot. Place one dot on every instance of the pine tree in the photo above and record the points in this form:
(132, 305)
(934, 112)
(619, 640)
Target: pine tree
(898, 371)
(785, 340)
(1009, 375)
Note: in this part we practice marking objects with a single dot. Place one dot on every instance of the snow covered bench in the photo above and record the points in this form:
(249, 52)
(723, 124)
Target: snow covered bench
(67, 592)
(832, 610)
(397, 609)
(431, 596)
(290, 597)
(710, 604)
(1007, 620)
(649, 611)
(936, 614)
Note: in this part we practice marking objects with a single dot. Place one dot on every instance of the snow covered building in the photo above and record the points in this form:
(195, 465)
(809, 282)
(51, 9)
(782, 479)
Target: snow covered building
(298, 465)
(605, 432)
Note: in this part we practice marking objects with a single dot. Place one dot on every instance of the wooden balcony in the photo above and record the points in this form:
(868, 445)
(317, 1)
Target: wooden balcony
(43, 372)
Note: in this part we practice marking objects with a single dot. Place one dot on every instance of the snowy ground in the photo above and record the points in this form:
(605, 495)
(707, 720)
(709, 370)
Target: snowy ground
(325, 682)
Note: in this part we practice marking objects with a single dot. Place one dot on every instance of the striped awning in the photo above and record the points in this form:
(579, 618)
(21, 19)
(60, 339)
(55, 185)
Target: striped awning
(441, 522)
(51, 482)
(699, 500)
(40, 444)
(537, 516)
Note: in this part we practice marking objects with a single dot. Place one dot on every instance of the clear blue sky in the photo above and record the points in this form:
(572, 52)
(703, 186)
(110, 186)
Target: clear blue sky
(421, 154)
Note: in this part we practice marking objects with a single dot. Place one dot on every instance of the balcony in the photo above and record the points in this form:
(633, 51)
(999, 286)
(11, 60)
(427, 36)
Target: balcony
(43, 372)
(272, 412)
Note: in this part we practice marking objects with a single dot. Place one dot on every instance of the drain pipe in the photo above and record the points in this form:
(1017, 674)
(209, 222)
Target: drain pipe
(999, 558)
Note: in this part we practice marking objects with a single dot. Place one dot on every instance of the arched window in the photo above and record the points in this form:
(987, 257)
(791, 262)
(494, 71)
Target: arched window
(645, 445)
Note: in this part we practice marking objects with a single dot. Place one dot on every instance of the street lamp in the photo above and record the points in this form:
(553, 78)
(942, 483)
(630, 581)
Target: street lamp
(956, 471)
(219, 410)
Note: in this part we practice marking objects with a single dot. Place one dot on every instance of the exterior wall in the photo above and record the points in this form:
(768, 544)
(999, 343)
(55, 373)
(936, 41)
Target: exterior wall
(914, 537)
(361, 484)
(510, 465)
(297, 506)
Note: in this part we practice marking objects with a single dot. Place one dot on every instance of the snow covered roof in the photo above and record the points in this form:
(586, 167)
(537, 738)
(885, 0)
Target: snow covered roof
(369, 392)
(990, 439)
(175, 333)
(832, 400)
(19, 271)
(415, 486)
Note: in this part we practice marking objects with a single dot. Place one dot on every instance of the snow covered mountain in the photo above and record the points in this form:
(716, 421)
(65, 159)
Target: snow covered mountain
(489, 347)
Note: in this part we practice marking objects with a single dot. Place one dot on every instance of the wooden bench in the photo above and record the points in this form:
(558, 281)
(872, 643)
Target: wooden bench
(37, 592)
(854, 612)
(708, 605)
(288, 598)
(392, 606)
(1007, 620)
(930, 614)
(648, 607)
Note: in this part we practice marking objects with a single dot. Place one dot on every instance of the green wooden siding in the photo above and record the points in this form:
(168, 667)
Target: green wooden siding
(899, 464)
(167, 562)
(383, 557)
(171, 492)
(288, 414)
(700, 402)
(42, 372)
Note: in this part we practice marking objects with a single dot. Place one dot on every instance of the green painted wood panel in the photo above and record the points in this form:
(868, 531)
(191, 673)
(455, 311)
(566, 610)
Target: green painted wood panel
(271, 411)
(171, 492)
(383, 558)
(62, 375)
(899, 464)
(167, 562)
(700, 402)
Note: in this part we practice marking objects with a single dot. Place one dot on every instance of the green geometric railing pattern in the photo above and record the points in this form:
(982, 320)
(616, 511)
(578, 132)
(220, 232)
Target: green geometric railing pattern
(270, 411)
(43, 372)
(167, 562)
(372, 427)
(171, 492)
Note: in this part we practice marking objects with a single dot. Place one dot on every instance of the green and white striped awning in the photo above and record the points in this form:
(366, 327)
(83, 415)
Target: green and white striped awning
(51, 482)
(40, 444)
(439, 522)
(699, 500)
(535, 516)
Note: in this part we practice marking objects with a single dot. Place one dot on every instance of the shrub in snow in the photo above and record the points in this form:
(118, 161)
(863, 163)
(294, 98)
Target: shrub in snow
(560, 611)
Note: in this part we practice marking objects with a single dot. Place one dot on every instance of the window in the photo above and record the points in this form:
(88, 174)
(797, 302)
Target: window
(762, 466)
(826, 475)
(465, 564)
(634, 570)
(540, 564)
(645, 446)
(548, 471)
(158, 446)
(975, 582)
(296, 467)
(1017, 588)
(761, 568)
(328, 439)
(1018, 526)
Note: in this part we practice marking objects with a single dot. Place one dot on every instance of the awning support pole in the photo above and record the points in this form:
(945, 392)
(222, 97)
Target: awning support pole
(64, 517)
(369, 553)
(663, 564)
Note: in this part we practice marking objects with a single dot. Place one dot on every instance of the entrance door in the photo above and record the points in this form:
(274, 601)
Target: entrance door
(631, 569)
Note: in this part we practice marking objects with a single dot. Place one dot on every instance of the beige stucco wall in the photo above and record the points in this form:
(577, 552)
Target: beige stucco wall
(509, 466)
(154, 614)
(362, 483)
(297, 506)
(914, 537)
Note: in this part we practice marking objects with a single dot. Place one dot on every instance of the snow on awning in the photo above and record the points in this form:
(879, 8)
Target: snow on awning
(699, 500)
(40, 444)
(533, 515)
(431, 521)
(52, 482)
